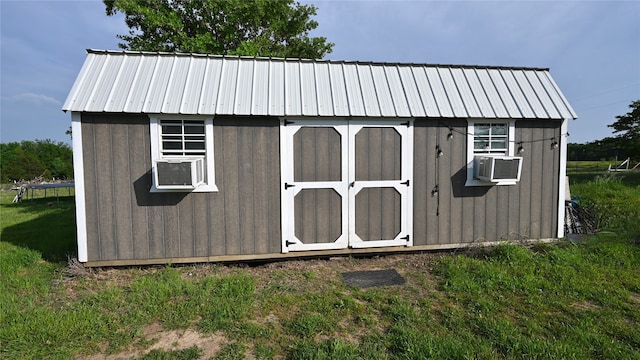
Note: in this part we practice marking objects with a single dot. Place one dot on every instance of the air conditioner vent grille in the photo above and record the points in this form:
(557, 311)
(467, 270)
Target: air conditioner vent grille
(179, 173)
(506, 168)
(497, 169)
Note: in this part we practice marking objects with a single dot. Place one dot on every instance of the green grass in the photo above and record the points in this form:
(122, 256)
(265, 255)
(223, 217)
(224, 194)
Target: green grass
(561, 300)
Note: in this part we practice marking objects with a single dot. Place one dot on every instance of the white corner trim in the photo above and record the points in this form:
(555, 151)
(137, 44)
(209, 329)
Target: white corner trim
(562, 178)
(78, 171)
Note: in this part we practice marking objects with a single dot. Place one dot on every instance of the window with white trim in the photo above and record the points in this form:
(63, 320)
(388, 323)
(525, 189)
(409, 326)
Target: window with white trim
(182, 154)
(183, 138)
(491, 138)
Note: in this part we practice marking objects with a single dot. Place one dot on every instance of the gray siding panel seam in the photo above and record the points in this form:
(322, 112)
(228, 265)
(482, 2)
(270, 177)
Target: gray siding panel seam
(95, 179)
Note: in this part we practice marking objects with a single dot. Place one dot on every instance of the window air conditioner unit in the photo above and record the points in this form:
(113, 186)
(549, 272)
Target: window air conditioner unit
(497, 168)
(179, 173)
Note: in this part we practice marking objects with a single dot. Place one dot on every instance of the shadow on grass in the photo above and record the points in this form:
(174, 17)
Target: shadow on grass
(49, 227)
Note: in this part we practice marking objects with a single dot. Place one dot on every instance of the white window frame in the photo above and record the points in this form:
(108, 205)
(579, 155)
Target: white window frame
(471, 153)
(156, 150)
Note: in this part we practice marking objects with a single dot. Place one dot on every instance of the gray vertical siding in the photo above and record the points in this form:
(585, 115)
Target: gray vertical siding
(126, 222)
(317, 155)
(318, 216)
(377, 213)
(377, 154)
(459, 214)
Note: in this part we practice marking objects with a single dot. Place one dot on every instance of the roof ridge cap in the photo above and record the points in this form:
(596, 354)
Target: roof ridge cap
(328, 61)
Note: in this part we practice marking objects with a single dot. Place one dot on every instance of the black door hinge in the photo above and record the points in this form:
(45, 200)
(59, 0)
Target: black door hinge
(406, 238)
(287, 122)
(289, 243)
(287, 185)
(405, 183)
(406, 123)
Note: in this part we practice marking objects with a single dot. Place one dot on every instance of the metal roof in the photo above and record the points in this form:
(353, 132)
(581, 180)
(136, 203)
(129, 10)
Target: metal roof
(142, 82)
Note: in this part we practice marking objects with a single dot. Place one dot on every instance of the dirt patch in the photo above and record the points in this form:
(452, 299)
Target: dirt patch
(635, 298)
(585, 305)
(168, 340)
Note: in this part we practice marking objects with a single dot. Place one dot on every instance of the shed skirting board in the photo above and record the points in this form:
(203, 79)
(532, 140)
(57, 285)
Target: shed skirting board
(312, 254)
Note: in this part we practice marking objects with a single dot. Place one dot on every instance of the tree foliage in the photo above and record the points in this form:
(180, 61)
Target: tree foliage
(27, 160)
(625, 145)
(629, 127)
(278, 28)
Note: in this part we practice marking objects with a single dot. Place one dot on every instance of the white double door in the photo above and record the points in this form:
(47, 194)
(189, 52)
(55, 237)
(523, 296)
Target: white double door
(346, 183)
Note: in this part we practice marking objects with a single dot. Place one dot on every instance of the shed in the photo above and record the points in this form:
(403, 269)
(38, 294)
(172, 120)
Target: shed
(196, 158)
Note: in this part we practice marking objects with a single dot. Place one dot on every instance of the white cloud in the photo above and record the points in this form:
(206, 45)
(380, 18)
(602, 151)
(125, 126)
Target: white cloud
(34, 99)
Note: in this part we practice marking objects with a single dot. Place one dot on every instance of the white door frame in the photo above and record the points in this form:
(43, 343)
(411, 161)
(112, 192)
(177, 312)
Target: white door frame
(347, 187)
(403, 185)
(290, 188)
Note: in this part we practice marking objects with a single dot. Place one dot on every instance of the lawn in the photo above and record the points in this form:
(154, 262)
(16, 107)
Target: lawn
(563, 300)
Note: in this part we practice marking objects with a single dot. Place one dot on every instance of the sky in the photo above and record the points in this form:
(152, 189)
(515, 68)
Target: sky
(591, 47)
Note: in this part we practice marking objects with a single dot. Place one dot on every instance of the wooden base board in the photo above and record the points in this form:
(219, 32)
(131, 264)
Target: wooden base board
(305, 254)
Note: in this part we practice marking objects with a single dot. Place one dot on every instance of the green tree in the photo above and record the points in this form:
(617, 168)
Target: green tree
(626, 144)
(29, 159)
(628, 125)
(20, 165)
(278, 28)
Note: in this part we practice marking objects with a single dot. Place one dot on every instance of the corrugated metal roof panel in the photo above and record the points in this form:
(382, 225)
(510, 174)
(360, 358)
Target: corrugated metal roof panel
(260, 96)
(323, 88)
(369, 96)
(451, 89)
(529, 94)
(397, 91)
(493, 99)
(292, 89)
(193, 86)
(559, 101)
(308, 95)
(338, 90)
(517, 94)
(138, 82)
(468, 100)
(478, 93)
(543, 96)
(158, 85)
(354, 90)
(504, 94)
(176, 86)
(412, 96)
(210, 88)
(276, 89)
(105, 83)
(140, 85)
(122, 87)
(227, 90)
(427, 94)
(439, 93)
(383, 92)
(244, 87)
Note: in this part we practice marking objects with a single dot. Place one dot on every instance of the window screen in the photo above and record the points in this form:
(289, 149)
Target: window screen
(182, 137)
(491, 138)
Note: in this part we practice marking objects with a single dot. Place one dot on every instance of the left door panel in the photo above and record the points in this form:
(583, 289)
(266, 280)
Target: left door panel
(314, 185)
